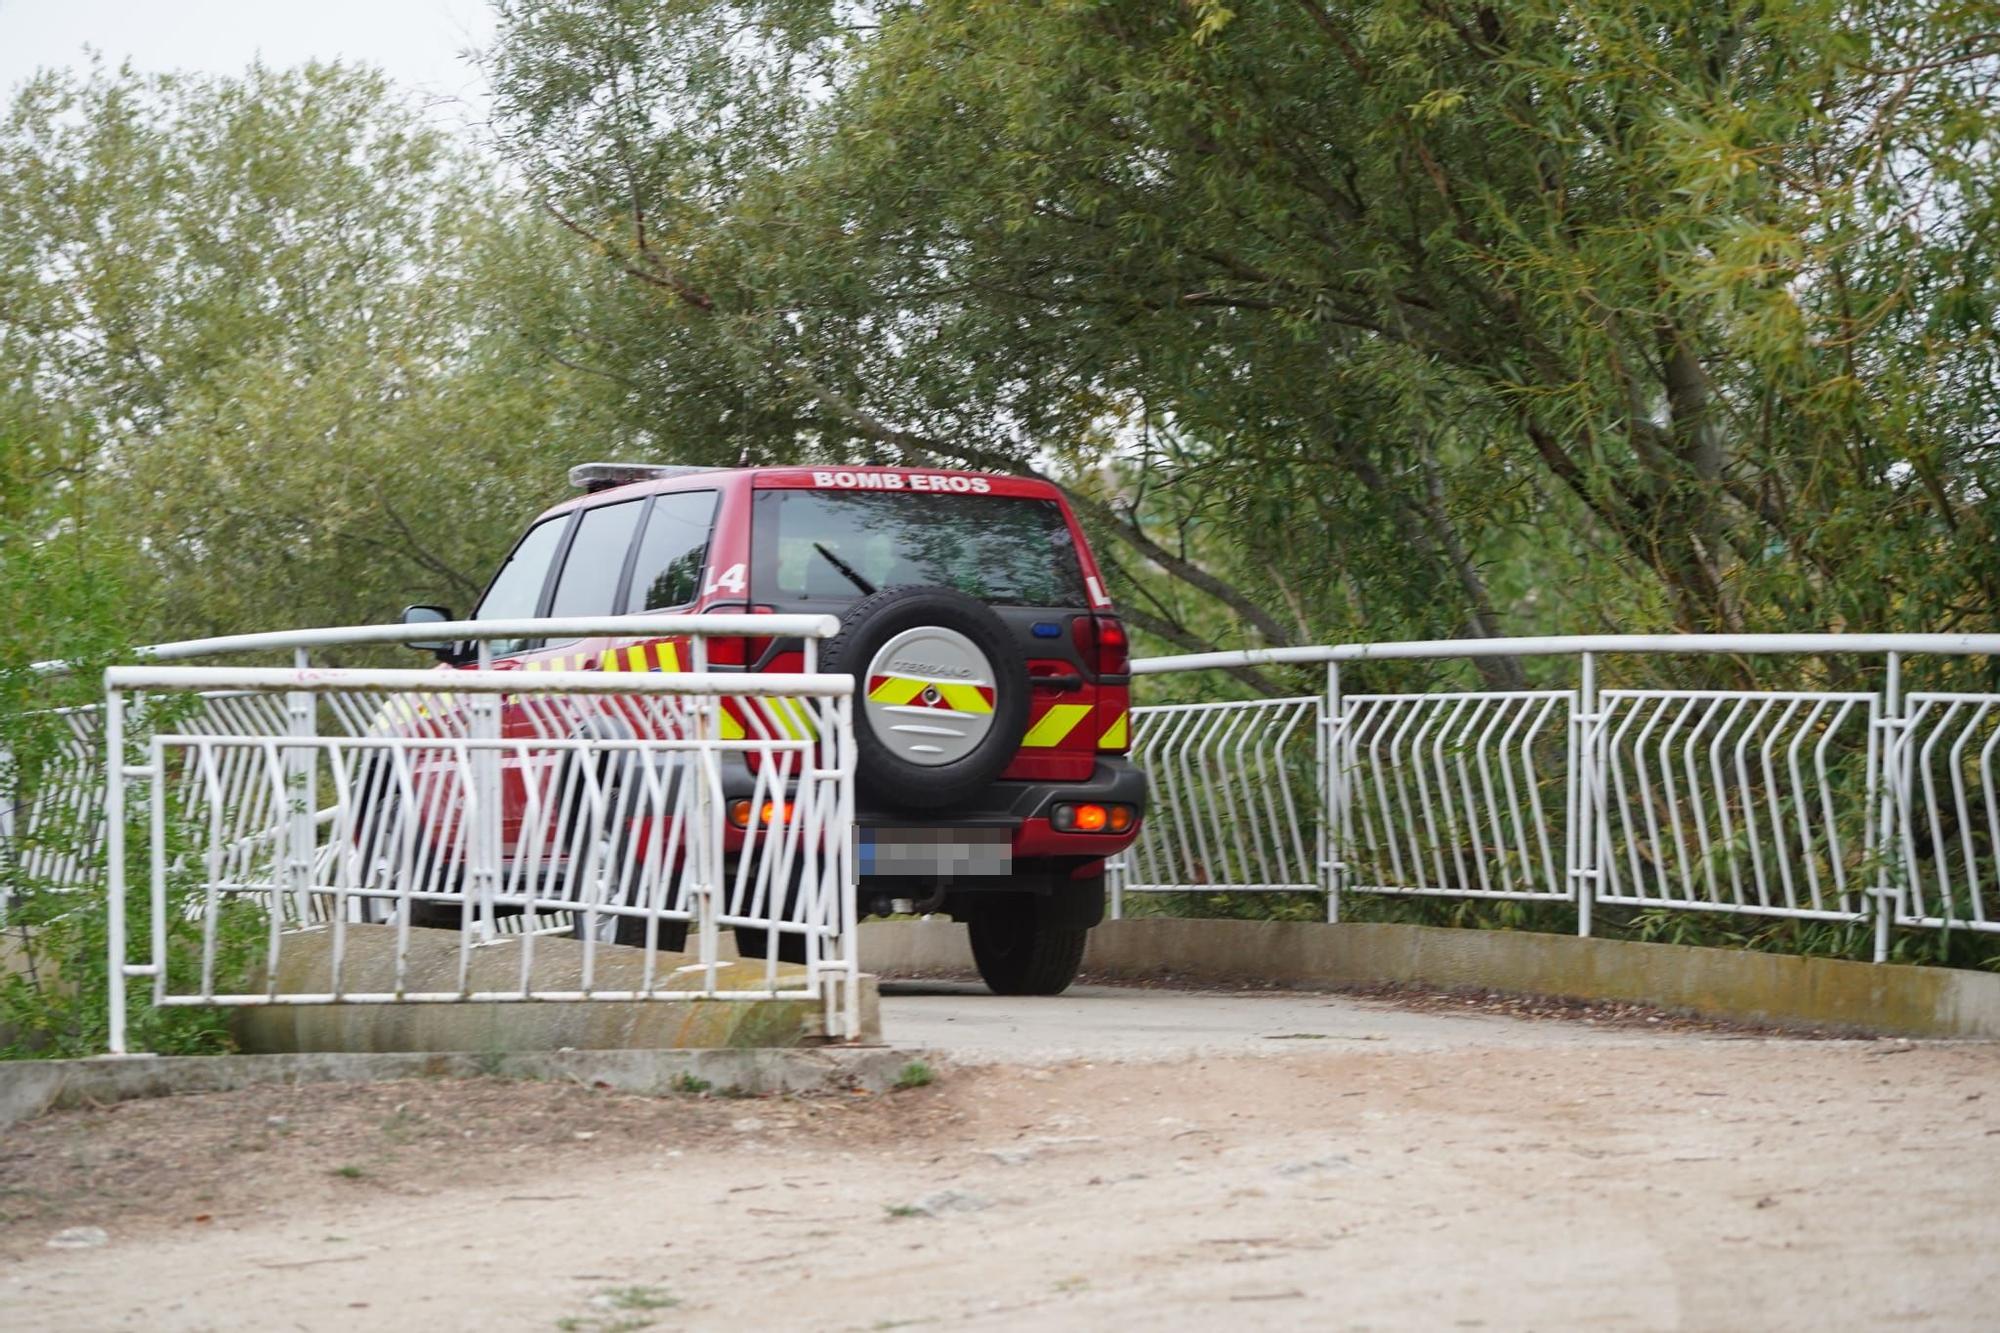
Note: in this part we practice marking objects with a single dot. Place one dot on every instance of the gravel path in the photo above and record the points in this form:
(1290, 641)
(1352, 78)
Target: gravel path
(1289, 1162)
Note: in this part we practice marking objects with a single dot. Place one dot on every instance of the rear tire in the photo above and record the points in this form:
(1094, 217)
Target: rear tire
(755, 941)
(1021, 950)
(631, 930)
(381, 866)
(610, 856)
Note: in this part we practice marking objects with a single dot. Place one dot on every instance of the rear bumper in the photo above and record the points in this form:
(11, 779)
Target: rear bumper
(1021, 807)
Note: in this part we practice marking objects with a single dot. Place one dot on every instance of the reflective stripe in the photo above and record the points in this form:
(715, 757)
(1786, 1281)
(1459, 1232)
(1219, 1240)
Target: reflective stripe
(898, 691)
(1058, 722)
(1114, 737)
(966, 698)
(658, 656)
(792, 717)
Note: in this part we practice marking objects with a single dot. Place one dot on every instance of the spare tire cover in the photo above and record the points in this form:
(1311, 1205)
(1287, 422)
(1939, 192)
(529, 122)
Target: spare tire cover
(941, 691)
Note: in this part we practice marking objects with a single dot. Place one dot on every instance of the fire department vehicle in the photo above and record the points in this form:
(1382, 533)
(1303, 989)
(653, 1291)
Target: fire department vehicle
(991, 672)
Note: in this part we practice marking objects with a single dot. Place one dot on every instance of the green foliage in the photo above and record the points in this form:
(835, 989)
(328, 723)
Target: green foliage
(270, 312)
(55, 986)
(1374, 319)
(916, 1074)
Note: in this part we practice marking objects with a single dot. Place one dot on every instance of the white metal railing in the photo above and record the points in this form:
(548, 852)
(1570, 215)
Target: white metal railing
(54, 834)
(1834, 805)
(1228, 796)
(58, 832)
(1448, 793)
(501, 802)
(600, 796)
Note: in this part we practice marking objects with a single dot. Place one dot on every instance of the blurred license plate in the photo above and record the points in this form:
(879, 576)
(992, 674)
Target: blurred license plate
(934, 851)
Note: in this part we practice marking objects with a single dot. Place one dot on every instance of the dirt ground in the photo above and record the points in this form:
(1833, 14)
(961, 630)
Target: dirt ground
(1630, 1179)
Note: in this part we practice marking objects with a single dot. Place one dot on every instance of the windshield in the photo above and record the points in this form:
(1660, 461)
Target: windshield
(841, 545)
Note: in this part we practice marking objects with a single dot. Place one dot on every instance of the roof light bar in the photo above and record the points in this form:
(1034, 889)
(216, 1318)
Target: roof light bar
(591, 478)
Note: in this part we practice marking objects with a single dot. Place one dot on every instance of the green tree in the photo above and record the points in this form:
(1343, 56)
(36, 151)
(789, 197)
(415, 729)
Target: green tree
(1360, 319)
(276, 307)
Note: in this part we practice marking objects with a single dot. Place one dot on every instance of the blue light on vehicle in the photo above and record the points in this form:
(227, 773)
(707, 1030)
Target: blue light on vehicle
(1047, 629)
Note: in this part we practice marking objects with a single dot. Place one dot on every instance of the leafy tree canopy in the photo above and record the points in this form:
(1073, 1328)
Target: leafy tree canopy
(1347, 319)
(253, 333)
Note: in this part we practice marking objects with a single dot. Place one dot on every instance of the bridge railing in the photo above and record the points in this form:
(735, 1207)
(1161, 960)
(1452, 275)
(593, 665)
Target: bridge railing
(1829, 805)
(650, 808)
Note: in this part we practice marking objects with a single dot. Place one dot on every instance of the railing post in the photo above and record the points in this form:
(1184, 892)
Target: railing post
(1333, 782)
(114, 867)
(301, 770)
(1890, 780)
(483, 725)
(705, 842)
(845, 858)
(1585, 795)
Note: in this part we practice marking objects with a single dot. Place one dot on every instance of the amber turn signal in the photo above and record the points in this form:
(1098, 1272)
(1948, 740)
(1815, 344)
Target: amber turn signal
(1090, 817)
(772, 812)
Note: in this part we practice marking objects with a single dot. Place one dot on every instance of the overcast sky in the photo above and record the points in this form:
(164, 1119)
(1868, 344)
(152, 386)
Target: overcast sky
(418, 42)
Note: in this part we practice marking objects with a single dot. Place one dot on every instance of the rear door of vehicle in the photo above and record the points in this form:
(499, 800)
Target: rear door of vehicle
(822, 540)
(644, 553)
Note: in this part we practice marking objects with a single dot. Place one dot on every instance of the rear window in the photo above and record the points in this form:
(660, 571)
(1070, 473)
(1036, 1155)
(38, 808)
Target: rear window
(840, 545)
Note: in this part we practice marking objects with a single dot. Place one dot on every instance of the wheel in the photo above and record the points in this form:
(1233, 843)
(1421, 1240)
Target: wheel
(1022, 948)
(755, 941)
(943, 689)
(606, 870)
(378, 835)
(631, 930)
(378, 850)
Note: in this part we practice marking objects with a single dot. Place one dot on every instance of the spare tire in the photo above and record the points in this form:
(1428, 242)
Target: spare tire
(941, 695)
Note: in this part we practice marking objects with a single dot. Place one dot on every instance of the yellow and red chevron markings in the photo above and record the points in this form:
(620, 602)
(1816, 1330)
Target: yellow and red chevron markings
(1117, 736)
(911, 692)
(1053, 727)
(660, 655)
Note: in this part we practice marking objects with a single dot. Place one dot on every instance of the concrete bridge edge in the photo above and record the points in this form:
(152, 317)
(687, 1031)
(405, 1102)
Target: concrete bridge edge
(1739, 984)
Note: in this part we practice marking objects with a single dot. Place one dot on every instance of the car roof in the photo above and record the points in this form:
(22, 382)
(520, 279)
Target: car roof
(817, 478)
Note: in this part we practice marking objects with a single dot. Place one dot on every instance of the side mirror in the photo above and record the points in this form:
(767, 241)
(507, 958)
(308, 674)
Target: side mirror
(445, 649)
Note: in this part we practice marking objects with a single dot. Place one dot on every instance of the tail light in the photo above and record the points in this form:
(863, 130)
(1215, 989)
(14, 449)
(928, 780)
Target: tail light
(770, 812)
(1101, 643)
(1090, 817)
(737, 652)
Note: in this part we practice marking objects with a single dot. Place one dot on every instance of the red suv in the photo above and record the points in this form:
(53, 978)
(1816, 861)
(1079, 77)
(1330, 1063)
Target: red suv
(991, 675)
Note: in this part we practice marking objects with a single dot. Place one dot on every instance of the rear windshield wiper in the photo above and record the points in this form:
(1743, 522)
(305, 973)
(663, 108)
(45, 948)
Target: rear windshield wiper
(853, 574)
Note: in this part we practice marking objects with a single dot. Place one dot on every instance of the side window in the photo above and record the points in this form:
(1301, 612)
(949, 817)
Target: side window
(668, 572)
(588, 585)
(516, 590)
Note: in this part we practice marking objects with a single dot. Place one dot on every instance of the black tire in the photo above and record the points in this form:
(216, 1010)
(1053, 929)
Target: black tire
(755, 941)
(631, 930)
(627, 930)
(884, 778)
(1022, 949)
(380, 853)
(378, 827)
